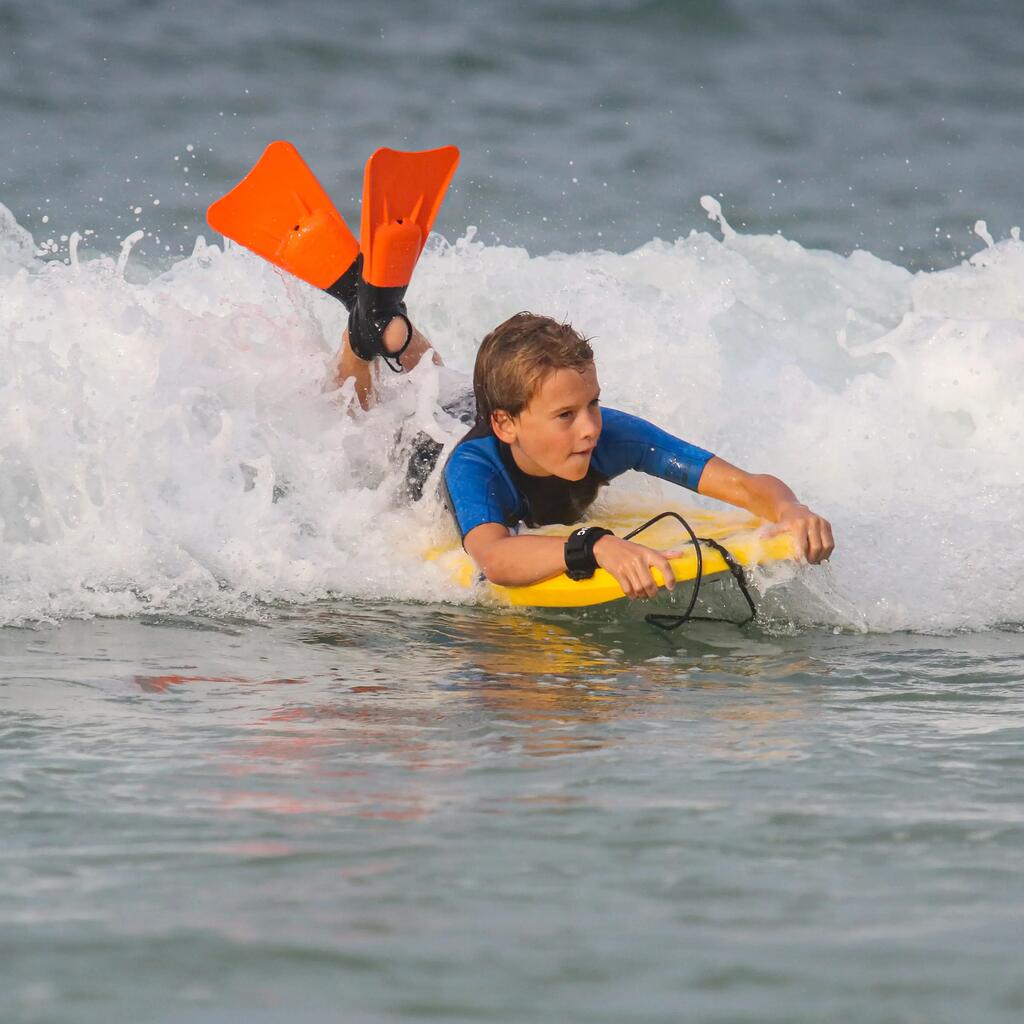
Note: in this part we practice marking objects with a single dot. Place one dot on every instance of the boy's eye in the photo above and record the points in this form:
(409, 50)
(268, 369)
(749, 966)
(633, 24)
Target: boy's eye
(567, 415)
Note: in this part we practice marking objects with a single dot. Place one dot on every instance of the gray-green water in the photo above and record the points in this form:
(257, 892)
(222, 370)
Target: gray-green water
(584, 123)
(381, 812)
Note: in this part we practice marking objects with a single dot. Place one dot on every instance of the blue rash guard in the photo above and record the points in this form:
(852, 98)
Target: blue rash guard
(484, 485)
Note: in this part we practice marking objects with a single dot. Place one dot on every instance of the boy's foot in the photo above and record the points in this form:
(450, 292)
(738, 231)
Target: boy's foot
(396, 334)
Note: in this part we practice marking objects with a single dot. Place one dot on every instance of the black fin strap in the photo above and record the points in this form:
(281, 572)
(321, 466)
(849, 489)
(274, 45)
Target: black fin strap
(344, 289)
(671, 622)
(374, 309)
(366, 334)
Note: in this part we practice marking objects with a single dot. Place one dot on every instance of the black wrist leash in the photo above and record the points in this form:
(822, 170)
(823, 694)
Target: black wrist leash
(670, 622)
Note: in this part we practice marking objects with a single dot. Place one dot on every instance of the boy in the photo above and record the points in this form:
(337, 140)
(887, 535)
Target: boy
(541, 448)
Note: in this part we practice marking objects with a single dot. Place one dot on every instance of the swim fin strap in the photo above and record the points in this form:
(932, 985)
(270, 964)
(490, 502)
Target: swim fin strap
(281, 212)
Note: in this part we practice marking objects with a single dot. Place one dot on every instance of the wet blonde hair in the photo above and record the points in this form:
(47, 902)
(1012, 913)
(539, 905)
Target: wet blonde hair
(516, 358)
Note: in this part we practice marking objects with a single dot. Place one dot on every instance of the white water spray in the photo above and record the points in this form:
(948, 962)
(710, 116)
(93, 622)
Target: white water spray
(172, 445)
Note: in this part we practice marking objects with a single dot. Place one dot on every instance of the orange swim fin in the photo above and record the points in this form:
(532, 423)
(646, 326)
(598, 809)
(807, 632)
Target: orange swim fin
(402, 194)
(281, 212)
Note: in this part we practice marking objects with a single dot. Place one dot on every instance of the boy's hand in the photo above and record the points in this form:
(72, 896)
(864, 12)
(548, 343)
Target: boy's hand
(812, 533)
(631, 565)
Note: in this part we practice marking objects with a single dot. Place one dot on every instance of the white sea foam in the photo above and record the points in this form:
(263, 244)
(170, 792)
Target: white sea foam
(172, 445)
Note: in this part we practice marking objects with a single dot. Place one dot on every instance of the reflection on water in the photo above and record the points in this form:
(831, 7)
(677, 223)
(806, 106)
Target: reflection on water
(462, 686)
(162, 683)
(554, 681)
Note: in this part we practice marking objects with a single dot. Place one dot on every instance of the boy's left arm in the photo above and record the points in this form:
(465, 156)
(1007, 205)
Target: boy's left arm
(768, 497)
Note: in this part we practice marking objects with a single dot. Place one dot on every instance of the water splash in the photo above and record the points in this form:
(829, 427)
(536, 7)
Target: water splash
(172, 444)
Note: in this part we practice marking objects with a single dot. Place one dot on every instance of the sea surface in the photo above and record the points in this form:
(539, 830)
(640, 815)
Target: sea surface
(261, 762)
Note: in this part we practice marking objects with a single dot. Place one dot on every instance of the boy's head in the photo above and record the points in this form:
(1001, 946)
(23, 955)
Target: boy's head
(536, 383)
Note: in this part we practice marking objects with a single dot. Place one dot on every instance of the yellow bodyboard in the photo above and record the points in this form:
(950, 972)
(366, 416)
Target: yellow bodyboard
(740, 533)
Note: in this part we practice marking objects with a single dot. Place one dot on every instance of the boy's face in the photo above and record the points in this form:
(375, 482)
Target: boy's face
(556, 433)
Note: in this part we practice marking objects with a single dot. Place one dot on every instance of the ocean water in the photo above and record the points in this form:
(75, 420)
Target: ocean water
(260, 761)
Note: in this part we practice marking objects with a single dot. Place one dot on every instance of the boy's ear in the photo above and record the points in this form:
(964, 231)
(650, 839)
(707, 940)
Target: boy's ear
(503, 425)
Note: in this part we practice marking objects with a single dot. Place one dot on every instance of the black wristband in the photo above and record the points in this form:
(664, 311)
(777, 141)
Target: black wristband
(580, 563)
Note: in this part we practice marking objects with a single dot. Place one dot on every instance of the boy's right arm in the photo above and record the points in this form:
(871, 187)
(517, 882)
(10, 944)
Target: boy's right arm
(519, 561)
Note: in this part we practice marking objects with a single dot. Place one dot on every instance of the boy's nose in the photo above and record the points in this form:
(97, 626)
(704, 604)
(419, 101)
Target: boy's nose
(590, 426)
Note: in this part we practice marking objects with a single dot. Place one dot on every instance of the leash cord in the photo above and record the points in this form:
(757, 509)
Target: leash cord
(670, 622)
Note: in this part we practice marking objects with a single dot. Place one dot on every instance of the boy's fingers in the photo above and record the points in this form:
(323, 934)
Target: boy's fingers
(830, 543)
(636, 585)
(820, 552)
(650, 588)
(636, 578)
(802, 539)
(827, 543)
(810, 544)
(812, 536)
(622, 578)
(666, 572)
(816, 543)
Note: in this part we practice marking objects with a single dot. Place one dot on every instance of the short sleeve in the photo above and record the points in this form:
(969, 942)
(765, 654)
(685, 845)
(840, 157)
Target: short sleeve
(628, 442)
(476, 490)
